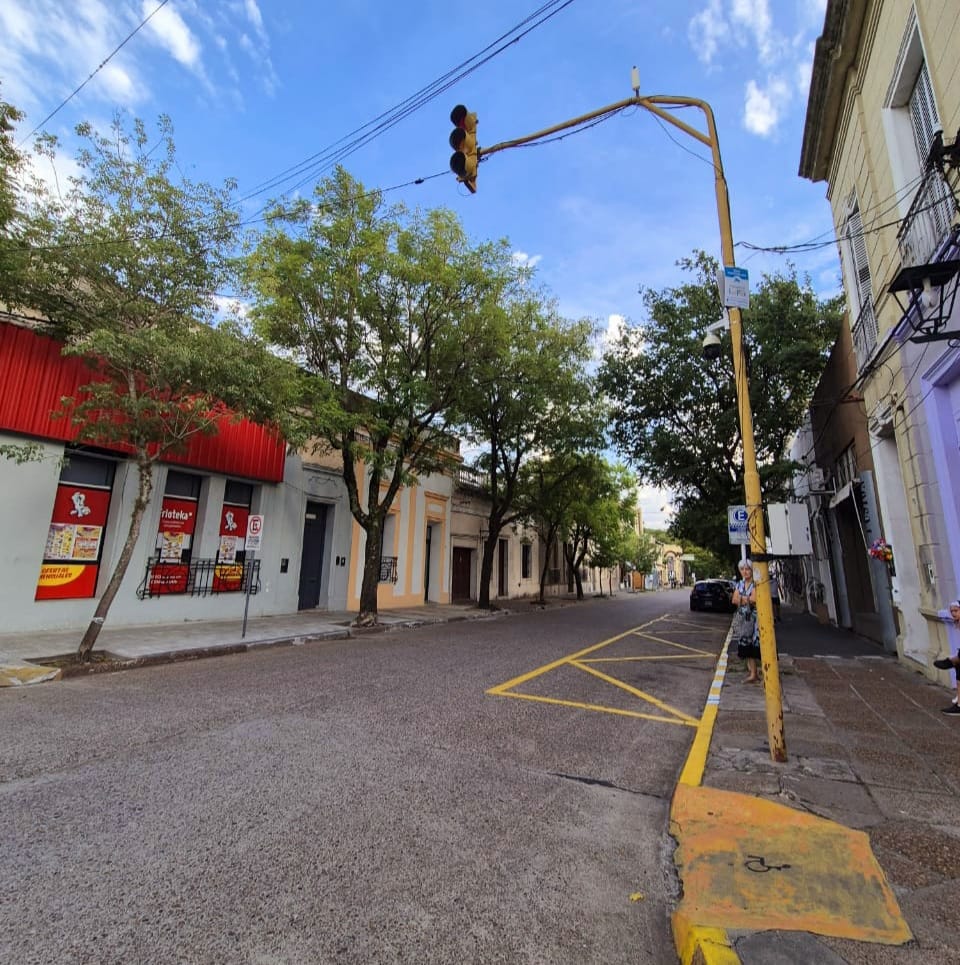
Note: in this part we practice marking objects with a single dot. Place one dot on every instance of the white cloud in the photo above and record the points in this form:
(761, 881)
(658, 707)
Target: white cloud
(708, 31)
(656, 507)
(256, 18)
(524, 260)
(746, 26)
(764, 107)
(119, 85)
(754, 17)
(170, 30)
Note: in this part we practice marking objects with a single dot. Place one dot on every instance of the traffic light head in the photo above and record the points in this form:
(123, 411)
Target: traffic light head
(463, 140)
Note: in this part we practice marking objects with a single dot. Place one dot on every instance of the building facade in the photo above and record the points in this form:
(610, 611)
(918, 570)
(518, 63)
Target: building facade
(881, 131)
(66, 515)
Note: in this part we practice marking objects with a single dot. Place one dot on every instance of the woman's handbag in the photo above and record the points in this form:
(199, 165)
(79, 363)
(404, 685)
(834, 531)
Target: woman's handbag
(747, 645)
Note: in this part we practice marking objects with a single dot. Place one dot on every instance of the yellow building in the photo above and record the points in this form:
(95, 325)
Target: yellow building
(881, 131)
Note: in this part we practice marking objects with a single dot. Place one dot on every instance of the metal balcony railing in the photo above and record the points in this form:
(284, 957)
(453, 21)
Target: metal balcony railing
(472, 478)
(928, 221)
(388, 569)
(198, 578)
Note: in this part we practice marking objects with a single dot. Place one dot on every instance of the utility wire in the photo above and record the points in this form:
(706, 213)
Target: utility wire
(314, 165)
(103, 63)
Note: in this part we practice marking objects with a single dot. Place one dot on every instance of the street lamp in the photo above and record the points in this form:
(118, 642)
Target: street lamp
(657, 104)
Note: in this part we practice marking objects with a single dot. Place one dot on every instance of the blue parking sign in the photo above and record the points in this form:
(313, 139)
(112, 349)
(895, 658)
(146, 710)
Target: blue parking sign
(738, 530)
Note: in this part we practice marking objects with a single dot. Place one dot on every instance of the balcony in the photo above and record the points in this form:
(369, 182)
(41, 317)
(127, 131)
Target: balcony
(928, 221)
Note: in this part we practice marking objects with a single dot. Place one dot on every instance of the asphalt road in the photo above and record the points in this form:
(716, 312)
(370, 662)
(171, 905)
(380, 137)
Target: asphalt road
(361, 801)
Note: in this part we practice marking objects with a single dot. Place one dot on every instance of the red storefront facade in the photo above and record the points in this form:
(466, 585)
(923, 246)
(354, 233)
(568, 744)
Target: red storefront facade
(66, 519)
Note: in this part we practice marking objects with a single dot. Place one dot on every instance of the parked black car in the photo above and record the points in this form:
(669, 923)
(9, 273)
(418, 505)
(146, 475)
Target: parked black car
(712, 595)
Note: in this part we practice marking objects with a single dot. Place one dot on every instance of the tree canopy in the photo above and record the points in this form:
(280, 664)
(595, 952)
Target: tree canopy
(383, 310)
(674, 413)
(528, 393)
(126, 265)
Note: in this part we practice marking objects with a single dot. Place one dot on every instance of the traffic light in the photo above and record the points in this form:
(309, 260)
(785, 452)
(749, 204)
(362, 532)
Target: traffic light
(463, 140)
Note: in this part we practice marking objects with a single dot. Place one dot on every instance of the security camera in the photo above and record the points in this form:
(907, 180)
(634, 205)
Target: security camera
(711, 346)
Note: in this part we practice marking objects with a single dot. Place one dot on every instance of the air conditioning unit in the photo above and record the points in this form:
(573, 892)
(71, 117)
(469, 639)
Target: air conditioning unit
(818, 477)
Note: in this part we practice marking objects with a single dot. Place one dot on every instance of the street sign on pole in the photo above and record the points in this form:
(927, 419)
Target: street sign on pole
(254, 532)
(738, 529)
(735, 287)
(252, 544)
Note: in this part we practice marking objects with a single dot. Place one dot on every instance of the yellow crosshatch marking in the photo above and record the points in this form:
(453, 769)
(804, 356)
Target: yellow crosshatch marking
(582, 661)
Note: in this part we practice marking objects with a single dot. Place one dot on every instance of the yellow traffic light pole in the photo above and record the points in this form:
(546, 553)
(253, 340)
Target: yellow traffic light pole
(656, 104)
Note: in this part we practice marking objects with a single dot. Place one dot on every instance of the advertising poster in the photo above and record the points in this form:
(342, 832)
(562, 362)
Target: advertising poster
(71, 556)
(228, 574)
(178, 517)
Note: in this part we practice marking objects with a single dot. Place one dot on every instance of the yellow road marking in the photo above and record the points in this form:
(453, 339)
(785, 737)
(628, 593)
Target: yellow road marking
(671, 643)
(578, 660)
(665, 656)
(606, 710)
(649, 698)
(523, 678)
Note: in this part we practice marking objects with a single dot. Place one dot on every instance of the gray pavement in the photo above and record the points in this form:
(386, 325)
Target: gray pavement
(868, 748)
(226, 636)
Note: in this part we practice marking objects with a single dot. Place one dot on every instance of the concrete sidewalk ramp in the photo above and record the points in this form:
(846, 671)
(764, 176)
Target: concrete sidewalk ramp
(747, 863)
(17, 673)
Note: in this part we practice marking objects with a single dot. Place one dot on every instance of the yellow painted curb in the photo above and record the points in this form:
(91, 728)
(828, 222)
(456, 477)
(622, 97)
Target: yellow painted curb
(698, 944)
(19, 674)
(753, 864)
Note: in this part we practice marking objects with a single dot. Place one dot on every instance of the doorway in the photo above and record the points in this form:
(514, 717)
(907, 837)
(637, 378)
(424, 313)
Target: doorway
(503, 547)
(311, 557)
(460, 583)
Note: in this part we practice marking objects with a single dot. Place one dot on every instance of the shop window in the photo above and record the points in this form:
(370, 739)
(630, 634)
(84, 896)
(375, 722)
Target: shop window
(72, 555)
(175, 532)
(231, 554)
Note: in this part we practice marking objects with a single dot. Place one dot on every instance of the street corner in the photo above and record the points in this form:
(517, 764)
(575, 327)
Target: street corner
(20, 673)
(751, 864)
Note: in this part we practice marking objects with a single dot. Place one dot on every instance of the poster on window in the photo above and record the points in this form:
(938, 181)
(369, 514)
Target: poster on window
(71, 556)
(228, 575)
(178, 517)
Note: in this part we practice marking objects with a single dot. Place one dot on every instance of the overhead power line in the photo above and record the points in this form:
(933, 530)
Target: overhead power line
(103, 63)
(314, 165)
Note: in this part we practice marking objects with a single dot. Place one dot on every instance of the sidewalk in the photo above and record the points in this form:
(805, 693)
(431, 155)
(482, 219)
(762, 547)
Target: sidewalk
(848, 852)
(22, 654)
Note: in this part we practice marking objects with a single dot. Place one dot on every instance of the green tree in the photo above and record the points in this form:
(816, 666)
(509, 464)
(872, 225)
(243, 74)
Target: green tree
(527, 392)
(640, 552)
(675, 413)
(11, 209)
(613, 526)
(550, 486)
(382, 310)
(126, 265)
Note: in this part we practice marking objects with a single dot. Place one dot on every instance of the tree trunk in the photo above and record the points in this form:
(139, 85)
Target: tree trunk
(144, 491)
(486, 568)
(367, 617)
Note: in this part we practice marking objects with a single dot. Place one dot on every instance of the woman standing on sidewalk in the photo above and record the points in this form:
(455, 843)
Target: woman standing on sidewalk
(745, 599)
(948, 663)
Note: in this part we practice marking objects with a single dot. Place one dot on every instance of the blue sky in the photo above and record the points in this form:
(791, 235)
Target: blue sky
(255, 87)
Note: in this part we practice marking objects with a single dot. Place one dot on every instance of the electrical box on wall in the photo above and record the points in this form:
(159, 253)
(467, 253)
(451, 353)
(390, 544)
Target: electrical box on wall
(789, 529)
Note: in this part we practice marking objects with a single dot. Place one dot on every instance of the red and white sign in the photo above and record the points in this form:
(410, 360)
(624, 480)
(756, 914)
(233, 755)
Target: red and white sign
(71, 556)
(178, 517)
(254, 532)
